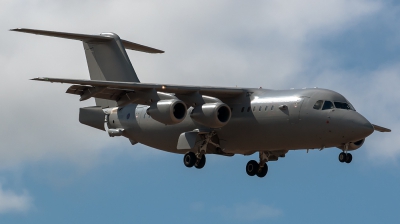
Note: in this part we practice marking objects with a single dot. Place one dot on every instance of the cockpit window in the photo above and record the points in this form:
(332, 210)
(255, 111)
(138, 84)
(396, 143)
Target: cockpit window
(318, 104)
(351, 106)
(327, 105)
(341, 105)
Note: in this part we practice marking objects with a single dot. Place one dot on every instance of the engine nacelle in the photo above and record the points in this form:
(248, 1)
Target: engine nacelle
(213, 115)
(168, 111)
(354, 145)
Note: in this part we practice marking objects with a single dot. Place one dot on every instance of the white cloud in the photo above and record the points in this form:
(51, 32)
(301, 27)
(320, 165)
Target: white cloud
(251, 211)
(13, 202)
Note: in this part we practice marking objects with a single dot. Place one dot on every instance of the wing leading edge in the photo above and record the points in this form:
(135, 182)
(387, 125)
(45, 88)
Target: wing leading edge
(132, 92)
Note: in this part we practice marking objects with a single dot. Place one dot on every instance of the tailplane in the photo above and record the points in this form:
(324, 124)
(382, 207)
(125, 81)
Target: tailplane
(105, 55)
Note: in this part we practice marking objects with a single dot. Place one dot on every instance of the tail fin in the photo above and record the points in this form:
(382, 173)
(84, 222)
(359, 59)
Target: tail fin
(106, 56)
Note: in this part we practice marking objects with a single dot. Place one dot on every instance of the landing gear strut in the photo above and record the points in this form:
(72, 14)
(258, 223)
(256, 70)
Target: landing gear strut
(198, 159)
(260, 169)
(345, 157)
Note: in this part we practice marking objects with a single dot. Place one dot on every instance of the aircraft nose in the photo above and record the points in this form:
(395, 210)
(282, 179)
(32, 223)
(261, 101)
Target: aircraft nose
(362, 126)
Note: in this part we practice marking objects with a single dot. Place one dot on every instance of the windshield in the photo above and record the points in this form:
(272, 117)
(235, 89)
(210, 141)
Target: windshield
(341, 105)
(327, 105)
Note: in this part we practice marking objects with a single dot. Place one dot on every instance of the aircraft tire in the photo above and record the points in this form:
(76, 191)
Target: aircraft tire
(349, 158)
(252, 168)
(263, 172)
(189, 159)
(342, 157)
(200, 164)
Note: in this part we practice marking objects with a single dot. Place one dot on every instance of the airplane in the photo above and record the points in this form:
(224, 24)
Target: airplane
(199, 120)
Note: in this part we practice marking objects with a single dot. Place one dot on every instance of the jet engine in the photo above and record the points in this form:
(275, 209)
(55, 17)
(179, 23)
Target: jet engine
(213, 115)
(354, 145)
(168, 111)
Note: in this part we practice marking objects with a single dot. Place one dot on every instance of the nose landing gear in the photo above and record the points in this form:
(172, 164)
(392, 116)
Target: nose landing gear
(345, 157)
(260, 169)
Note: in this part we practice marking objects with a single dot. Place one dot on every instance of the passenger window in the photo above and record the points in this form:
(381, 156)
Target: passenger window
(254, 108)
(328, 105)
(318, 104)
(248, 109)
(242, 109)
(272, 107)
(266, 107)
(259, 109)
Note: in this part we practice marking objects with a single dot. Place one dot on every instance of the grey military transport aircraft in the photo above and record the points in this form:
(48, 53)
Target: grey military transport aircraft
(199, 120)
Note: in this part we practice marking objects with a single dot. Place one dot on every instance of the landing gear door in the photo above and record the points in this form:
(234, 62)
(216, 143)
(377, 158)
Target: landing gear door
(295, 109)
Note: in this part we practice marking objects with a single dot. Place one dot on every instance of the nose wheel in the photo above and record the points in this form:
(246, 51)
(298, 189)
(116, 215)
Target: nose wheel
(345, 157)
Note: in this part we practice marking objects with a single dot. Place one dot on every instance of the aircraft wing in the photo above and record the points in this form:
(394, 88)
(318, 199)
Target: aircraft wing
(114, 90)
(381, 129)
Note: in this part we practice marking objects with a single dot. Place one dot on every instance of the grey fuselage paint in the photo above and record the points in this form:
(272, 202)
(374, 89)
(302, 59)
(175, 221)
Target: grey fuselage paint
(288, 123)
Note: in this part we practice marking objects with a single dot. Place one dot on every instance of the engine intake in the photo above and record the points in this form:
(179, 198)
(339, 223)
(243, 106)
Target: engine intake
(213, 115)
(168, 111)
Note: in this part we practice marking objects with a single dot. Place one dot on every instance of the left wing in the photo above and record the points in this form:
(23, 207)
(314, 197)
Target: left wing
(143, 93)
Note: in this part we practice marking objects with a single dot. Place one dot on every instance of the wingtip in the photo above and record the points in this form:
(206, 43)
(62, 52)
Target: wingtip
(39, 79)
(16, 29)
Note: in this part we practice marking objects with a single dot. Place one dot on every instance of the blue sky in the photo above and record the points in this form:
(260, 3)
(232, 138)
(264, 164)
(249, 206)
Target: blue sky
(55, 170)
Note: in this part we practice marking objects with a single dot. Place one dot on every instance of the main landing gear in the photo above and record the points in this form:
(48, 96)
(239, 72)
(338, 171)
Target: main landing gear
(345, 157)
(198, 159)
(260, 169)
(190, 159)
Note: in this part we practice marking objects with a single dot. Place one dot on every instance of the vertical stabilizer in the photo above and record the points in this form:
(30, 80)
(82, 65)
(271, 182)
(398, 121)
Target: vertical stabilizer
(108, 60)
(105, 54)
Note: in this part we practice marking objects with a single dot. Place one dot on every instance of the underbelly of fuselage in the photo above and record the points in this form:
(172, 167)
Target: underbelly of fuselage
(242, 135)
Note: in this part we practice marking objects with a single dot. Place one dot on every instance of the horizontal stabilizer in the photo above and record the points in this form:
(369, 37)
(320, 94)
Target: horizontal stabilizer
(89, 38)
(381, 129)
(92, 116)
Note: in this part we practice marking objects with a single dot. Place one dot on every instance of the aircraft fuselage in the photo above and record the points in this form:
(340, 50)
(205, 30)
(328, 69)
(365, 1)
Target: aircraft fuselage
(261, 120)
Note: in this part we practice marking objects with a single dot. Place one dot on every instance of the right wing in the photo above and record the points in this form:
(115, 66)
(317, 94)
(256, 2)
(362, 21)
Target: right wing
(381, 129)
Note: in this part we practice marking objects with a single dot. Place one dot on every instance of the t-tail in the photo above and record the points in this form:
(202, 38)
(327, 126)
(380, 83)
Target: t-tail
(105, 55)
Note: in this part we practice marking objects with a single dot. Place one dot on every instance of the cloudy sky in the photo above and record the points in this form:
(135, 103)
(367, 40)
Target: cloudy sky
(55, 170)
